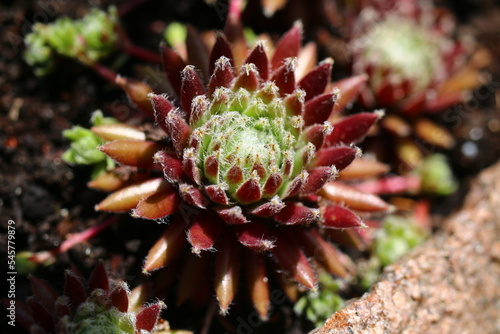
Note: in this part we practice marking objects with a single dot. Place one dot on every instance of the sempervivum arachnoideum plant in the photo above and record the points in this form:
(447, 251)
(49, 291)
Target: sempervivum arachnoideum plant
(95, 306)
(415, 67)
(245, 168)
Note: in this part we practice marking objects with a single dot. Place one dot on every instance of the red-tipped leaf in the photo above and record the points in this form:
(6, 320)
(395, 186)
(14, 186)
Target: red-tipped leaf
(353, 198)
(268, 209)
(227, 272)
(249, 192)
(162, 107)
(317, 179)
(127, 198)
(161, 204)
(135, 153)
(167, 247)
(192, 195)
(291, 258)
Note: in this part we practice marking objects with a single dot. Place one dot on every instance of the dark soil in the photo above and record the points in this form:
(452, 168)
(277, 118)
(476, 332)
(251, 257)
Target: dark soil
(48, 199)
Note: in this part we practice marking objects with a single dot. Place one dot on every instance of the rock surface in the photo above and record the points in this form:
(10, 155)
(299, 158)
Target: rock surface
(450, 284)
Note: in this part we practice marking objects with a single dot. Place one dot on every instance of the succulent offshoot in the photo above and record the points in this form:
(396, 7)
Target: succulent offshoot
(98, 306)
(84, 146)
(318, 306)
(397, 236)
(88, 40)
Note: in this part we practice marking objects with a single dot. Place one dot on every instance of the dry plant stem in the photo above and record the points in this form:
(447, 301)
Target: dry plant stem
(448, 285)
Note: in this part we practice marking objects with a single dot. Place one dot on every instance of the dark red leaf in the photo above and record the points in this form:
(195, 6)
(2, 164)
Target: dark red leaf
(74, 290)
(318, 110)
(146, 319)
(119, 297)
(204, 231)
(259, 58)
(191, 86)
(295, 213)
(338, 156)
(352, 129)
(170, 165)
(232, 215)
(249, 192)
(99, 278)
(284, 77)
(220, 49)
(222, 76)
(162, 107)
(315, 82)
(254, 236)
(336, 216)
(44, 293)
(288, 46)
(291, 258)
(173, 65)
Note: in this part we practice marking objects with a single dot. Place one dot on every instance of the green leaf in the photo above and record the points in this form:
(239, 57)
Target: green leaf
(84, 148)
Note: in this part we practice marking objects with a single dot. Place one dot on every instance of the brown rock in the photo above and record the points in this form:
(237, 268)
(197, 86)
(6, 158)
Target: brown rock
(450, 284)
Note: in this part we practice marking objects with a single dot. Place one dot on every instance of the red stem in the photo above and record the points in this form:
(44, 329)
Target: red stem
(141, 53)
(104, 72)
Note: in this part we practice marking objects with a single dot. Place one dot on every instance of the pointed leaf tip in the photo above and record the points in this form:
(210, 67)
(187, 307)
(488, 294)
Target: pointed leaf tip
(288, 46)
(147, 318)
(99, 278)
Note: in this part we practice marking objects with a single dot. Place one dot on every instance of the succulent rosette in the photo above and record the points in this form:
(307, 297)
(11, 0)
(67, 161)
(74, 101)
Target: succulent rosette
(415, 66)
(246, 167)
(94, 307)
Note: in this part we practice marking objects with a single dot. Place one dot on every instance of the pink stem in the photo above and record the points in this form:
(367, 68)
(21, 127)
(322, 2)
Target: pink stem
(391, 185)
(73, 239)
(235, 8)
